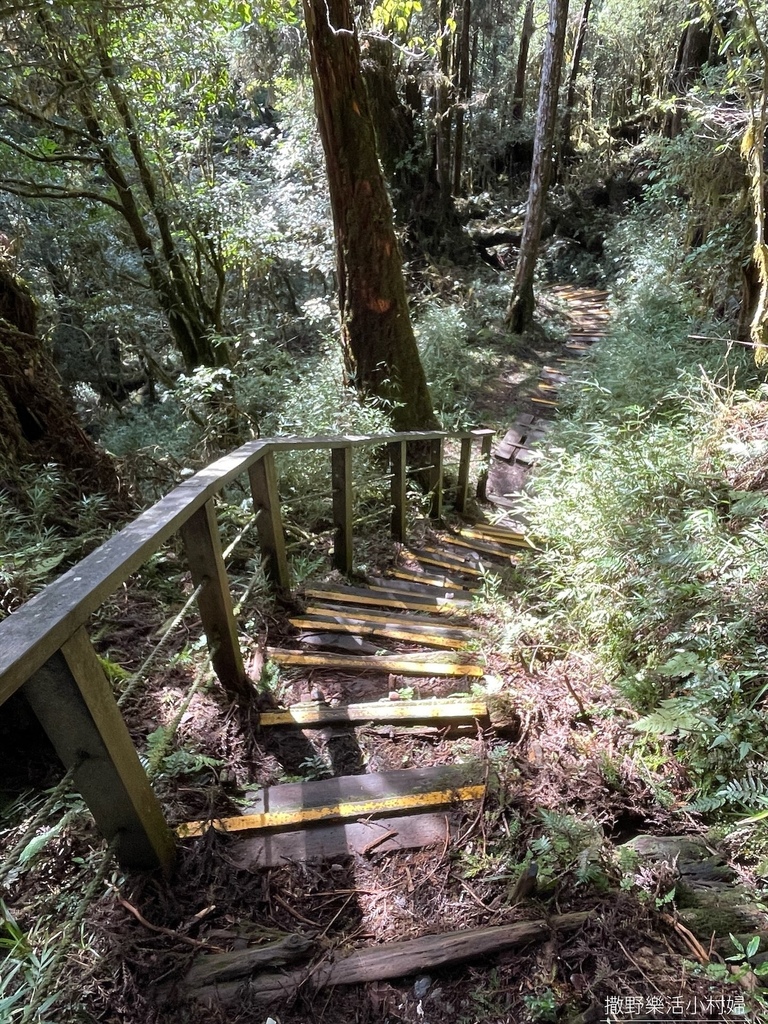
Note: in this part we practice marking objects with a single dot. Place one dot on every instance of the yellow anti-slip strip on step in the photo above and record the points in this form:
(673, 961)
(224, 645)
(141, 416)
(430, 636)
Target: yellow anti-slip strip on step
(434, 664)
(377, 711)
(385, 631)
(332, 812)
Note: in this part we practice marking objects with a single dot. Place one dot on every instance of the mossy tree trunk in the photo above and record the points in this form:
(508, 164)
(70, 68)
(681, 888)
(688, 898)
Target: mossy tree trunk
(520, 313)
(753, 151)
(380, 348)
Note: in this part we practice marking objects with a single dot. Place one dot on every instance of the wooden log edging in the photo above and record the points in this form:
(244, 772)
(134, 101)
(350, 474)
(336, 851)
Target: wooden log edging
(388, 960)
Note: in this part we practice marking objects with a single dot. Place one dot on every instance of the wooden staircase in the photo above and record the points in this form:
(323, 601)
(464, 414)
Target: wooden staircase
(415, 623)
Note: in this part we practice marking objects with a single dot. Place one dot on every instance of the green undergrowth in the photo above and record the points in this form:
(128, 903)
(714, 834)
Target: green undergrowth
(649, 508)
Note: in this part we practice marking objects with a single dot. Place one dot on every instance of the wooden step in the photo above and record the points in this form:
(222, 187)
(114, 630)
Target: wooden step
(398, 623)
(350, 796)
(482, 546)
(433, 637)
(431, 555)
(444, 602)
(320, 713)
(341, 642)
(433, 663)
(329, 842)
(414, 581)
(384, 615)
(501, 535)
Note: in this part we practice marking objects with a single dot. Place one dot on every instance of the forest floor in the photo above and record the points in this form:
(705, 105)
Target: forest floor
(566, 789)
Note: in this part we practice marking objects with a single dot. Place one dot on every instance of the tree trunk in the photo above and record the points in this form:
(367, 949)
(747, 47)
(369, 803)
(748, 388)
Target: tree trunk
(520, 313)
(443, 108)
(578, 50)
(463, 90)
(518, 104)
(379, 344)
(692, 54)
(38, 422)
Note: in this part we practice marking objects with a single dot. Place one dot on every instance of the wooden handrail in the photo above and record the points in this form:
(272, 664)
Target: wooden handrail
(36, 631)
(44, 646)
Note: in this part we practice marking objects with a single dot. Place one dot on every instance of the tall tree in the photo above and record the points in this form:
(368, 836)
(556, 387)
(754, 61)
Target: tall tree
(379, 344)
(520, 313)
(85, 122)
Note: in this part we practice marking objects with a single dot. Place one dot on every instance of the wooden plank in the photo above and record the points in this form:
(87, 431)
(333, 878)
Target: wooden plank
(341, 485)
(441, 664)
(387, 631)
(316, 713)
(397, 462)
(72, 698)
(437, 556)
(500, 534)
(202, 544)
(386, 615)
(336, 811)
(404, 623)
(415, 581)
(405, 602)
(336, 641)
(481, 547)
(462, 483)
(327, 842)
(269, 523)
(349, 796)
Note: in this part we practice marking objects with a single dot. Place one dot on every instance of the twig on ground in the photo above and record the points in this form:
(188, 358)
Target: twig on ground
(198, 943)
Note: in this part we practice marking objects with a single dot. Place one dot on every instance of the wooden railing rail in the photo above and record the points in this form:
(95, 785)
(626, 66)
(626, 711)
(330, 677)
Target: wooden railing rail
(45, 649)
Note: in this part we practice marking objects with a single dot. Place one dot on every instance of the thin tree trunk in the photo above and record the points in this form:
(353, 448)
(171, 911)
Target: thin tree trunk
(443, 108)
(520, 313)
(578, 50)
(463, 91)
(379, 344)
(518, 104)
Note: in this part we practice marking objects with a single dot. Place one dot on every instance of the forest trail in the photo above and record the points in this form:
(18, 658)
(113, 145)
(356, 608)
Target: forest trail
(405, 640)
(413, 623)
(458, 830)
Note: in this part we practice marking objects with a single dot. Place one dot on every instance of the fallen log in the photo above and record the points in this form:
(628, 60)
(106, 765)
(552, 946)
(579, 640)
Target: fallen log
(389, 960)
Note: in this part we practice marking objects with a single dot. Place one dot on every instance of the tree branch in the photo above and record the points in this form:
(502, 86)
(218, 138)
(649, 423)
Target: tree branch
(32, 190)
(60, 158)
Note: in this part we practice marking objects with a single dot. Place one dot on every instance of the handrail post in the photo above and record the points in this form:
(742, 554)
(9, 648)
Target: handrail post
(341, 486)
(486, 441)
(202, 543)
(269, 522)
(435, 479)
(72, 699)
(397, 462)
(462, 484)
